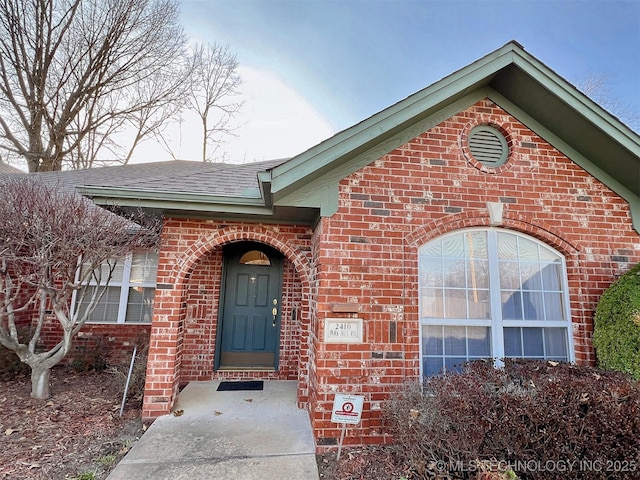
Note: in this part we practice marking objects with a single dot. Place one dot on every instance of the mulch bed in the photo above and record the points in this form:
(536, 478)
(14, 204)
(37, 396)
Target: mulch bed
(77, 431)
(78, 434)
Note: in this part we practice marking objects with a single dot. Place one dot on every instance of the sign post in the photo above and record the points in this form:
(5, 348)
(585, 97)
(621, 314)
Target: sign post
(346, 409)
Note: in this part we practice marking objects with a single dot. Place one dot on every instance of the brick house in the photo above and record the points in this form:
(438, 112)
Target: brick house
(480, 217)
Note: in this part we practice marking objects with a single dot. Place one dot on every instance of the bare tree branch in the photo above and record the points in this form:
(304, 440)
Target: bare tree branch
(72, 72)
(213, 89)
(595, 86)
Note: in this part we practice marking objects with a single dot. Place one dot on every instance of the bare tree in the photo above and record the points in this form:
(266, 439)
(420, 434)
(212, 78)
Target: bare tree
(44, 232)
(213, 87)
(595, 87)
(74, 72)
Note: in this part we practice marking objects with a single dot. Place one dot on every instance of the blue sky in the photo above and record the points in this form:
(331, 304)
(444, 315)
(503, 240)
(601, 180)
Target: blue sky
(330, 64)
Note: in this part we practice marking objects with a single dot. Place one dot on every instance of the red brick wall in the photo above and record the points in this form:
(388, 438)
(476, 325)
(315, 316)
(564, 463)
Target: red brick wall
(98, 342)
(367, 252)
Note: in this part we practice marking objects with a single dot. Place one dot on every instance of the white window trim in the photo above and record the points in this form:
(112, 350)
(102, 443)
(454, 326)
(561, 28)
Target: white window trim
(124, 294)
(496, 324)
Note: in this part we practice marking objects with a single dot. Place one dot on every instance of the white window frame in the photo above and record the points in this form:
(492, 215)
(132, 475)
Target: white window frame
(125, 285)
(496, 324)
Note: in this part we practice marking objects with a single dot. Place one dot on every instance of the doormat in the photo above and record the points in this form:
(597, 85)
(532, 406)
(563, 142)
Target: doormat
(247, 385)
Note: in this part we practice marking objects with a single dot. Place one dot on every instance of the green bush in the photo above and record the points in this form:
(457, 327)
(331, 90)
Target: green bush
(616, 335)
(534, 419)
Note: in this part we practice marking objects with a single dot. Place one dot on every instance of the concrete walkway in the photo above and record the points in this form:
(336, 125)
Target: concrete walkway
(227, 435)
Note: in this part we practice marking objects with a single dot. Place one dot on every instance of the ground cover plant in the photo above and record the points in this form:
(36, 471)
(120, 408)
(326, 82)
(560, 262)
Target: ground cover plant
(533, 419)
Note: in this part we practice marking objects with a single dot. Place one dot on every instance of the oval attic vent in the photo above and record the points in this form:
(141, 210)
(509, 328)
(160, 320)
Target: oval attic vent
(488, 146)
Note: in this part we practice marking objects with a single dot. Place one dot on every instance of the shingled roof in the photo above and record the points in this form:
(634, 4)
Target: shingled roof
(4, 168)
(176, 176)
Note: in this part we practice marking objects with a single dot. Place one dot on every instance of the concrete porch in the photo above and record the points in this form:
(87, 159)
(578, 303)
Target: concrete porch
(230, 434)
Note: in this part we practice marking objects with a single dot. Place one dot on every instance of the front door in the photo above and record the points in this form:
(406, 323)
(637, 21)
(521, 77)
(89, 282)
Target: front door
(250, 324)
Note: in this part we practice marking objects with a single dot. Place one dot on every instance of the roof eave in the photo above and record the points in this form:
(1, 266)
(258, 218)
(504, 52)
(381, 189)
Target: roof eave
(188, 202)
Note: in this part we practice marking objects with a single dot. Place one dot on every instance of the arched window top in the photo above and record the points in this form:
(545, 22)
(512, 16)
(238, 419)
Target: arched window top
(255, 257)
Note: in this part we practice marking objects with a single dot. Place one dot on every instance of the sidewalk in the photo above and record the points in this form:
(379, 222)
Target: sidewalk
(234, 434)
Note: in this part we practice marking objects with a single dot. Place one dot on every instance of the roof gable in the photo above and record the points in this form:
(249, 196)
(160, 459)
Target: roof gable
(516, 81)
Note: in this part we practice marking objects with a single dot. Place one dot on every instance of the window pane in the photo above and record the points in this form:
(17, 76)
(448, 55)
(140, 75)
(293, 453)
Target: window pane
(479, 342)
(432, 249)
(454, 273)
(432, 339)
(532, 343)
(530, 278)
(430, 272)
(102, 273)
(556, 343)
(432, 305)
(107, 309)
(553, 304)
(450, 346)
(551, 276)
(509, 275)
(455, 341)
(432, 366)
(455, 304)
(144, 267)
(479, 306)
(512, 342)
(527, 249)
(255, 257)
(140, 305)
(533, 305)
(477, 274)
(477, 245)
(507, 246)
(512, 306)
(454, 364)
(453, 246)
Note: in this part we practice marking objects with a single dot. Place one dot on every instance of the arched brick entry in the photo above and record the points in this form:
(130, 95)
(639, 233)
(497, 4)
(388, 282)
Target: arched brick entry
(187, 256)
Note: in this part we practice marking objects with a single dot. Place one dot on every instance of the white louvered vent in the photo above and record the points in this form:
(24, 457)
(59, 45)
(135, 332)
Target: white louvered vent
(488, 146)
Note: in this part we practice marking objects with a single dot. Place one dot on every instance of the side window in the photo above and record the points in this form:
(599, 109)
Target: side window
(129, 295)
(491, 293)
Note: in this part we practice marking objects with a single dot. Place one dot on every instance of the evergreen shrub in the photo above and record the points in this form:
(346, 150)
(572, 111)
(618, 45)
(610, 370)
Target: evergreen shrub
(616, 335)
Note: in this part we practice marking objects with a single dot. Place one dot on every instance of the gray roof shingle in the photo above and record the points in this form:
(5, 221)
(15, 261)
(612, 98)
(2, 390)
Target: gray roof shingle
(4, 168)
(175, 176)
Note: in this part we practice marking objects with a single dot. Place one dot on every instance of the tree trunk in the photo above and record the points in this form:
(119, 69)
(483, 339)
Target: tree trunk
(40, 382)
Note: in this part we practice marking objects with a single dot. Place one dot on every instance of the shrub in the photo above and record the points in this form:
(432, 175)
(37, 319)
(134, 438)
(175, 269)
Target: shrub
(616, 335)
(539, 419)
(10, 364)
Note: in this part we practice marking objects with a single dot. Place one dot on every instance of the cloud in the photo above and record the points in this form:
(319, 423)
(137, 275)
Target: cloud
(275, 122)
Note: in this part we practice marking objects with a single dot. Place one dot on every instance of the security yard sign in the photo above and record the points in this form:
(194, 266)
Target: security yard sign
(347, 408)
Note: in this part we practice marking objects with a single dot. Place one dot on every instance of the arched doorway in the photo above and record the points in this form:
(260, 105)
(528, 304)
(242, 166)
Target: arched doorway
(248, 336)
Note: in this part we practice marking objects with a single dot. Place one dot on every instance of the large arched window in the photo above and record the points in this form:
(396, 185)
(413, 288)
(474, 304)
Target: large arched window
(491, 293)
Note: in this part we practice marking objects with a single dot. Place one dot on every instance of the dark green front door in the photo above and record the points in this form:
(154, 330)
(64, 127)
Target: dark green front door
(250, 326)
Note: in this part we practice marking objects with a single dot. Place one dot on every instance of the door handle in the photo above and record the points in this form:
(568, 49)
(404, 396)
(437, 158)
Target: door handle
(274, 312)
